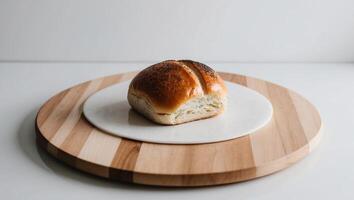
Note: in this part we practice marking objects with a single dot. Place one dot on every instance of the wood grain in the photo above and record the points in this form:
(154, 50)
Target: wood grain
(291, 134)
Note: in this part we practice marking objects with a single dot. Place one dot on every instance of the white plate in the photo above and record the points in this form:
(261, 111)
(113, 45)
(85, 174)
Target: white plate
(246, 112)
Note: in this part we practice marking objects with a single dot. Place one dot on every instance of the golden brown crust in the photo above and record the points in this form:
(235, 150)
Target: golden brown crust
(212, 82)
(168, 84)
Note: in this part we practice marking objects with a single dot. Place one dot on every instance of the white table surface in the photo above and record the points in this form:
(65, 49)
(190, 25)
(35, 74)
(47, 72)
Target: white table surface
(27, 172)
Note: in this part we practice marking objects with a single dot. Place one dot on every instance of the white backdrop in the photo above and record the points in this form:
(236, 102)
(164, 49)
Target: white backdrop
(207, 30)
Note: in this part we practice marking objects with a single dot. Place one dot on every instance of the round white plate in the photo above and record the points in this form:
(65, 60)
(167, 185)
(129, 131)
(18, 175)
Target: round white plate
(246, 112)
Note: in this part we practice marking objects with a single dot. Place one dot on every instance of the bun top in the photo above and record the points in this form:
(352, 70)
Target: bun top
(168, 84)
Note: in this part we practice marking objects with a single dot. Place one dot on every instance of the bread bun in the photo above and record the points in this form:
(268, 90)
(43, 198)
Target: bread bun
(174, 92)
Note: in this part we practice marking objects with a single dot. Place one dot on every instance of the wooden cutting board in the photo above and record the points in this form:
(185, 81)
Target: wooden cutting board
(291, 134)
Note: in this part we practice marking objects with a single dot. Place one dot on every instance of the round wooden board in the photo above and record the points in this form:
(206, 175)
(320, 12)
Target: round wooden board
(291, 134)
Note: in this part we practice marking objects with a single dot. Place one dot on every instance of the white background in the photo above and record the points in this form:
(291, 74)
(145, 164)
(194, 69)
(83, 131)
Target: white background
(152, 30)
